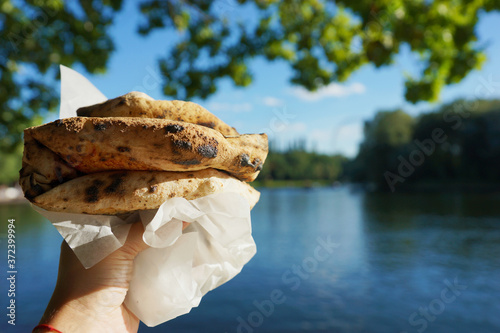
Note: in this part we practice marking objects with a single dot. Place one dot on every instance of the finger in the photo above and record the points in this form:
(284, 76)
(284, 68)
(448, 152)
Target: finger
(134, 239)
(68, 259)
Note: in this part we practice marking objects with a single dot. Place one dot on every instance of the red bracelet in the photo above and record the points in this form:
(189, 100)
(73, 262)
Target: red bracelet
(47, 328)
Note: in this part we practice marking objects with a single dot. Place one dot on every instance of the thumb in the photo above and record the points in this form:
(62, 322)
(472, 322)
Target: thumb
(135, 244)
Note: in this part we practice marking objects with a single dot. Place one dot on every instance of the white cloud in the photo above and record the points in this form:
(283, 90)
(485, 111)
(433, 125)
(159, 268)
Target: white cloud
(331, 90)
(229, 107)
(272, 101)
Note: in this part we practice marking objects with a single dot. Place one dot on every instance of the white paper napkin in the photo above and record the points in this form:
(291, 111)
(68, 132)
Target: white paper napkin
(76, 92)
(171, 277)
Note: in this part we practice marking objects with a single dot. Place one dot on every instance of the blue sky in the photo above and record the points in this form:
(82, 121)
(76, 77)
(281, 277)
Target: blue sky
(331, 120)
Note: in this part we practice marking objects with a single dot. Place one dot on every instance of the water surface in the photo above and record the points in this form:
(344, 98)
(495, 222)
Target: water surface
(329, 260)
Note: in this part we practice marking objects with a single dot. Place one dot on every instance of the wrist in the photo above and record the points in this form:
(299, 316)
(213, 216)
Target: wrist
(43, 328)
(67, 317)
(85, 313)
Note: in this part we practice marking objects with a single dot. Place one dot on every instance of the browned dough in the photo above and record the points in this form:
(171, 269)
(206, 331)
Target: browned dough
(117, 192)
(99, 144)
(137, 104)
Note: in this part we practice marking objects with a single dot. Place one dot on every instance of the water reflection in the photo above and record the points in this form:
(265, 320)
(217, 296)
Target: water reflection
(417, 241)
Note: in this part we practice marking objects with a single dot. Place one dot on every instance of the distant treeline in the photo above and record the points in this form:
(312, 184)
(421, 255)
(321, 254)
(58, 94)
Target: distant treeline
(457, 144)
(295, 163)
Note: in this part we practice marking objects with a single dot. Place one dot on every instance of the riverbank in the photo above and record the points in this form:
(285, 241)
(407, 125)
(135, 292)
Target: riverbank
(420, 187)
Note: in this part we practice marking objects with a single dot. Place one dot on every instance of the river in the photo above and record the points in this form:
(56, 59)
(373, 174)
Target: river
(328, 260)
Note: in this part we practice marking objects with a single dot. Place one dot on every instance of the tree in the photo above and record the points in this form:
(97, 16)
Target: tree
(391, 128)
(385, 137)
(322, 41)
(36, 37)
(295, 163)
(466, 149)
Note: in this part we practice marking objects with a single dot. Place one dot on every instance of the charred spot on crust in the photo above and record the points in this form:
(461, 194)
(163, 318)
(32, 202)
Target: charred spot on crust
(209, 151)
(65, 199)
(174, 128)
(182, 144)
(123, 149)
(188, 162)
(210, 124)
(245, 161)
(158, 145)
(152, 188)
(115, 184)
(92, 192)
(100, 126)
(58, 123)
(121, 102)
(145, 127)
(78, 148)
(162, 116)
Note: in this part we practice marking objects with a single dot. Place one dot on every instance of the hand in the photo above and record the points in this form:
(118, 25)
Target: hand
(91, 300)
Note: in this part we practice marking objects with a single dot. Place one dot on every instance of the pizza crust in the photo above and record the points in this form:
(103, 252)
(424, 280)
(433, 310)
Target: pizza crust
(99, 144)
(137, 104)
(133, 153)
(117, 192)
